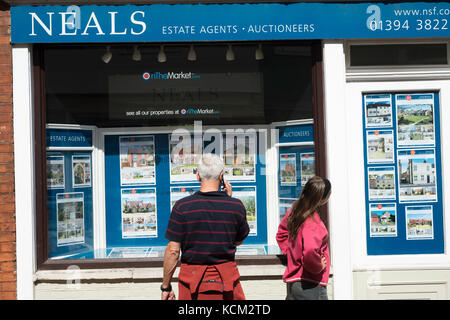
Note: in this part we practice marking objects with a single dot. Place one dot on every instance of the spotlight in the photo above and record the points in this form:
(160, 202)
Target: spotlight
(259, 54)
(230, 54)
(192, 56)
(136, 54)
(108, 55)
(161, 55)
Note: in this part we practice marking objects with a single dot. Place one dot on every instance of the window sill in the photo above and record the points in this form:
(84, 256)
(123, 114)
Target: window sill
(144, 269)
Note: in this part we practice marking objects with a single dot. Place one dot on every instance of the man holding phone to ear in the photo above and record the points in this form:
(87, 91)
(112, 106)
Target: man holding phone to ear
(206, 226)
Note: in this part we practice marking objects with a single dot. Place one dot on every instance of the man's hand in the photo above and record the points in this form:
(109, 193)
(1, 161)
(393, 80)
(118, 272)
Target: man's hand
(228, 188)
(165, 295)
(171, 256)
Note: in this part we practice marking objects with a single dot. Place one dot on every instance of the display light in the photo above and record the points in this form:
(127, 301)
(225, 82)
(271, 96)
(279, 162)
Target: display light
(230, 53)
(107, 56)
(162, 55)
(136, 54)
(259, 54)
(192, 55)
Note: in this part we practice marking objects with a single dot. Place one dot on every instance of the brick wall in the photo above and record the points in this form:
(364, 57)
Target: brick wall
(7, 208)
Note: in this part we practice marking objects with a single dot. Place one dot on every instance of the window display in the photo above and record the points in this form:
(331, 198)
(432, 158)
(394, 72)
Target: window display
(146, 210)
(150, 122)
(403, 173)
(69, 192)
(296, 163)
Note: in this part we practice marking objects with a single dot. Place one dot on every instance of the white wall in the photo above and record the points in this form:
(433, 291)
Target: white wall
(337, 130)
(357, 275)
(24, 170)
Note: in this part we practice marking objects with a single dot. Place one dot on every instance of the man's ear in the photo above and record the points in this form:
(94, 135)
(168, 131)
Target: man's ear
(221, 176)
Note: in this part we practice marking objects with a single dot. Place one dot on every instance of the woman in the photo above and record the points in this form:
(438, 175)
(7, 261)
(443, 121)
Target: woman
(303, 238)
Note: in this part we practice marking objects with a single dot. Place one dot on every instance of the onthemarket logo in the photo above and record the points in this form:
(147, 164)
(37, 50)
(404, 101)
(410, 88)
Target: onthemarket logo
(170, 76)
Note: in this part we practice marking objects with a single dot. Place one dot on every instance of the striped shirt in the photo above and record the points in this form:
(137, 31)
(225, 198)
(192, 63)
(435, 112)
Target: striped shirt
(207, 225)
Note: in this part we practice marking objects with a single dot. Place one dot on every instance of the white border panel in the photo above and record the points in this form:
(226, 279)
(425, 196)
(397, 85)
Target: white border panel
(361, 261)
(24, 170)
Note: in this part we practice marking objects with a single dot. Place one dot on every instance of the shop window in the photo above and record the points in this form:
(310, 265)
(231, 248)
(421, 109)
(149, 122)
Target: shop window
(398, 54)
(125, 130)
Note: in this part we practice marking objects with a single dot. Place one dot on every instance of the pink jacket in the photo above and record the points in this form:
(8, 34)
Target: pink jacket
(305, 253)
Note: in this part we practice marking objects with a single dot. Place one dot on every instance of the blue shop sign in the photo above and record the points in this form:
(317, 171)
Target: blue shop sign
(69, 138)
(295, 133)
(227, 22)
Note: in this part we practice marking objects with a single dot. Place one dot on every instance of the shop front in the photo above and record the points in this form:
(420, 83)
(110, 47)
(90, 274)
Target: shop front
(117, 103)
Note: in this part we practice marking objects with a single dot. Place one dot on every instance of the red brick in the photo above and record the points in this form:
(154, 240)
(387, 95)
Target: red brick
(7, 276)
(7, 217)
(8, 295)
(8, 286)
(6, 116)
(8, 246)
(6, 147)
(6, 157)
(6, 167)
(8, 266)
(7, 209)
(5, 88)
(6, 227)
(7, 257)
(7, 237)
(5, 97)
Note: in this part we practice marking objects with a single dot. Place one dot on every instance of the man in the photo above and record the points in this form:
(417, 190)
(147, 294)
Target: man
(207, 226)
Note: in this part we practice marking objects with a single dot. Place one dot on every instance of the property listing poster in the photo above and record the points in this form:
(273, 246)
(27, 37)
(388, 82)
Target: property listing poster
(81, 171)
(137, 160)
(383, 219)
(307, 167)
(417, 175)
(55, 171)
(415, 120)
(70, 218)
(401, 159)
(419, 222)
(139, 214)
(284, 205)
(378, 110)
(288, 169)
(381, 183)
(380, 146)
(248, 197)
(177, 193)
(185, 154)
(239, 156)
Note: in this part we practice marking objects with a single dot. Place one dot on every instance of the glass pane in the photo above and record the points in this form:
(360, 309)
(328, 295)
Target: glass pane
(83, 89)
(296, 164)
(69, 193)
(398, 54)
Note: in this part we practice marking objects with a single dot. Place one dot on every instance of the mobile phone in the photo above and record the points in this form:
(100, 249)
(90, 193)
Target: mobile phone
(222, 184)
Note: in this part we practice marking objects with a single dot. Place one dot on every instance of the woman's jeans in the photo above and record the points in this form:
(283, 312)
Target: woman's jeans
(304, 290)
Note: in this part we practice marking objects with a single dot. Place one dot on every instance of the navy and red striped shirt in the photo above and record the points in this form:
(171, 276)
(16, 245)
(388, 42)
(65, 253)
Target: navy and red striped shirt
(208, 225)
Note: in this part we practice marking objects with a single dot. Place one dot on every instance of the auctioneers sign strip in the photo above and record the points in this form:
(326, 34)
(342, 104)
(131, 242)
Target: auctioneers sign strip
(227, 22)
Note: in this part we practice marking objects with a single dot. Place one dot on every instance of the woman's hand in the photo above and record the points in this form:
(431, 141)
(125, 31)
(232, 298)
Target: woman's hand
(324, 262)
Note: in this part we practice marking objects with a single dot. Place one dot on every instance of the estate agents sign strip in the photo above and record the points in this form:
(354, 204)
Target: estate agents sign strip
(227, 22)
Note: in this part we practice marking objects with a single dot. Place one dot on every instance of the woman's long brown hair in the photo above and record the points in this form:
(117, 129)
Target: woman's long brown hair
(309, 200)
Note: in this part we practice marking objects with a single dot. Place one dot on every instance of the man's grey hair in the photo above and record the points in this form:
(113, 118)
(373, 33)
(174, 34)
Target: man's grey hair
(210, 167)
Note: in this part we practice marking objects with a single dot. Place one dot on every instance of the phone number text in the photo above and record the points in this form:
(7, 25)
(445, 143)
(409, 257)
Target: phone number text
(418, 25)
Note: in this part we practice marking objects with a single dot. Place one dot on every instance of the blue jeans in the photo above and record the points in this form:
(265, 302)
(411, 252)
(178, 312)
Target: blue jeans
(304, 290)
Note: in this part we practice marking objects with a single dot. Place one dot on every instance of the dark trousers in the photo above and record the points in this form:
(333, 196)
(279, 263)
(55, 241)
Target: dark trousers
(304, 290)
